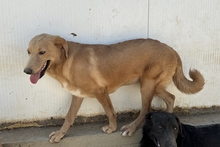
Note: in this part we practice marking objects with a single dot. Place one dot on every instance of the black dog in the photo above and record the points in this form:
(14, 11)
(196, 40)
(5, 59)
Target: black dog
(162, 129)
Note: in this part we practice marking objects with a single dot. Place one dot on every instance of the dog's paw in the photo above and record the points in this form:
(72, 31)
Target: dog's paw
(56, 136)
(128, 130)
(108, 129)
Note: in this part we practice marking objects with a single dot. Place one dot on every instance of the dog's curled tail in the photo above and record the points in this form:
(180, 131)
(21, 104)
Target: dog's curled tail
(185, 85)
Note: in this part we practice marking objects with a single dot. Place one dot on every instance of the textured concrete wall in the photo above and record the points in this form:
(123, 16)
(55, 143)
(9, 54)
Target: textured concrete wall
(192, 28)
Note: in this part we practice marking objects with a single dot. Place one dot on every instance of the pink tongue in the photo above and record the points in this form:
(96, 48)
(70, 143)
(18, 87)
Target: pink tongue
(35, 77)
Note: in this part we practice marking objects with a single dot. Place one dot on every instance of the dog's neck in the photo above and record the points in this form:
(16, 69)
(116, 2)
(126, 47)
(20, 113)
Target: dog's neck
(55, 71)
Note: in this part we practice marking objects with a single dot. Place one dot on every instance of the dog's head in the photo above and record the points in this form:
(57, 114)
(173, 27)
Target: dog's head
(44, 50)
(161, 129)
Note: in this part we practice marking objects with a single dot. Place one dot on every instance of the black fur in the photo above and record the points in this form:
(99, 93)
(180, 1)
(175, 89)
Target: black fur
(163, 129)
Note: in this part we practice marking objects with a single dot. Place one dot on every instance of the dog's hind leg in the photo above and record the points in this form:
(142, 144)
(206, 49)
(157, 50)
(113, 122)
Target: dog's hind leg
(56, 136)
(166, 96)
(106, 103)
(147, 93)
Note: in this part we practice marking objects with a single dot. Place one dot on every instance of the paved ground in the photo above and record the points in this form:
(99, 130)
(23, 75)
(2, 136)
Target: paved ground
(89, 135)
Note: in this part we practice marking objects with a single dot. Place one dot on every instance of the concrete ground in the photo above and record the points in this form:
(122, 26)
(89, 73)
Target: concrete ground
(89, 134)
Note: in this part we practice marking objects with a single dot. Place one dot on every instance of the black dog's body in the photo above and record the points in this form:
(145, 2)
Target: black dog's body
(201, 136)
(163, 129)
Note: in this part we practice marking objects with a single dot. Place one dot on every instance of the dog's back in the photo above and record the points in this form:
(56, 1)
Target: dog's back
(201, 136)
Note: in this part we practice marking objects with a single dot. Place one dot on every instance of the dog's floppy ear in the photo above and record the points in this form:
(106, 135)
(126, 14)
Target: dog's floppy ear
(149, 116)
(148, 121)
(61, 43)
(146, 140)
(180, 133)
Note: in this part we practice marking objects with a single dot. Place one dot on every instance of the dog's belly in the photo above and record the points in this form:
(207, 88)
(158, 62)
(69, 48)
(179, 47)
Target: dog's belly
(133, 81)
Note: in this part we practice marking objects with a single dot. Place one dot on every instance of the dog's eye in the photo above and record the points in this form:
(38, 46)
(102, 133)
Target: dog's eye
(160, 127)
(41, 52)
(175, 128)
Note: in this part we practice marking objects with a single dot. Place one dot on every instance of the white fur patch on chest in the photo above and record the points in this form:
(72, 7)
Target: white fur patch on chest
(75, 92)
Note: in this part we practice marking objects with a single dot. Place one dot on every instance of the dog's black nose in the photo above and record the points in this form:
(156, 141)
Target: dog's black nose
(28, 71)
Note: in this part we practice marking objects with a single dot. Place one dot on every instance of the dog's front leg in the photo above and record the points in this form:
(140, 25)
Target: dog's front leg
(56, 136)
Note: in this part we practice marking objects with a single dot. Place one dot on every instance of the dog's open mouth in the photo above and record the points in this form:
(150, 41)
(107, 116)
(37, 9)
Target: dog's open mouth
(154, 139)
(35, 77)
(156, 142)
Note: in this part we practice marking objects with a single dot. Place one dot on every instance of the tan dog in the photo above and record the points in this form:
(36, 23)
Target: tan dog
(97, 70)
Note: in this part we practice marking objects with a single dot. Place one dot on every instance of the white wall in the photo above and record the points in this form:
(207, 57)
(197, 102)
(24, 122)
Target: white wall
(192, 28)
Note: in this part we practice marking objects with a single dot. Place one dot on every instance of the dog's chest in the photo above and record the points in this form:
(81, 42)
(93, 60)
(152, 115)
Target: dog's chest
(73, 91)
